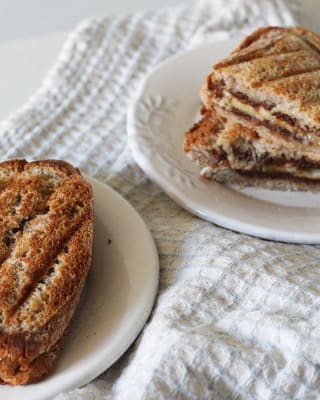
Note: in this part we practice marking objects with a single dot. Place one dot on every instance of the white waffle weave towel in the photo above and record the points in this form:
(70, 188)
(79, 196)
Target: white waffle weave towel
(236, 317)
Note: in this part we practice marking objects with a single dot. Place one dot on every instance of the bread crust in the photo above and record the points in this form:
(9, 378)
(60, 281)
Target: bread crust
(265, 181)
(45, 254)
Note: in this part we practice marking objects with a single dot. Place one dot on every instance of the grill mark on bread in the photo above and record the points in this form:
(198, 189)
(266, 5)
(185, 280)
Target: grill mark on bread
(43, 279)
(307, 44)
(253, 37)
(251, 56)
(288, 74)
(16, 209)
(21, 269)
(39, 279)
(301, 40)
(61, 274)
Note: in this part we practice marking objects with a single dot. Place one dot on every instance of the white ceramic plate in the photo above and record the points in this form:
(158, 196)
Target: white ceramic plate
(166, 106)
(116, 302)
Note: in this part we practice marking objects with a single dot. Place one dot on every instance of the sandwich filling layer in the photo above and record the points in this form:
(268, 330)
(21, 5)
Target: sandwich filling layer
(262, 113)
(221, 145)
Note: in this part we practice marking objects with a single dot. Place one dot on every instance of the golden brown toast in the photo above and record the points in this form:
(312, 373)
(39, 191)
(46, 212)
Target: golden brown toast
(46, 228)
(271, 84)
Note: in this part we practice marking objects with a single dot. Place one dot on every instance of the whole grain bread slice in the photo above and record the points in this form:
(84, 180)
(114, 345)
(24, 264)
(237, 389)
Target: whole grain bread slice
(46, 230)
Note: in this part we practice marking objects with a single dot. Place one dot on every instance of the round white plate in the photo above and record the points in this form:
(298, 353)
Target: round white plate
(116, 302)
(166, 106)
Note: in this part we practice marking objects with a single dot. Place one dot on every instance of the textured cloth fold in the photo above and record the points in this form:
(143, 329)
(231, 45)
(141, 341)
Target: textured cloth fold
(236, 316)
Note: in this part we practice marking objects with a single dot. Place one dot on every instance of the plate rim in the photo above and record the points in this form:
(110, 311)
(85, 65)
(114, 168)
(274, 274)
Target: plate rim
(174, 192)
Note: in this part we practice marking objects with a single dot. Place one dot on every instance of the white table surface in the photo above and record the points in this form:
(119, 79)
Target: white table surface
(32, 33)
(24, 64)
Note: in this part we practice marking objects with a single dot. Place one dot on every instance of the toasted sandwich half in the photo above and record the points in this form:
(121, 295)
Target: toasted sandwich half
(231, 153)
(46, 228)
(271, 84)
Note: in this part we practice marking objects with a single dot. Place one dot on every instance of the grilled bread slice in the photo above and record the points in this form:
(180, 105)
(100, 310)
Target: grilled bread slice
(46, 228)
(271, 83)
(231, 153)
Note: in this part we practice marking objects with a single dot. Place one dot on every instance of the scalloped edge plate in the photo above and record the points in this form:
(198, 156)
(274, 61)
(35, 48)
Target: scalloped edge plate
(166, 106)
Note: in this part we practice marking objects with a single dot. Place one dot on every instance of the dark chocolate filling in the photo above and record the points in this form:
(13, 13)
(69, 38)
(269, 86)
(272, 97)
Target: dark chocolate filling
(276, 128)
(266, 160)
(284, 117)
(245, 99)
(276, 175)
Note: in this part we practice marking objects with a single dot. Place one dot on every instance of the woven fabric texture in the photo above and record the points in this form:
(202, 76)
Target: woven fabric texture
(235, 317)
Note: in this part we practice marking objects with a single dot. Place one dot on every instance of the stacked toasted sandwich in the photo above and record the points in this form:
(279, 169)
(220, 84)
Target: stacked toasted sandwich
(261, 113)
